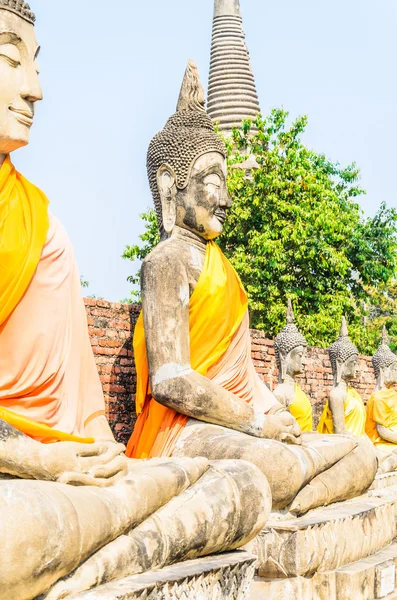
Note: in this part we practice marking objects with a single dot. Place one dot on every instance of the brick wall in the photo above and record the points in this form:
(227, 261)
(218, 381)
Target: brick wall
(111, 326)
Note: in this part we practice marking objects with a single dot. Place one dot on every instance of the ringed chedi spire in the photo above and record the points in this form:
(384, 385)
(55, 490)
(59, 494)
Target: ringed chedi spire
(232, 95)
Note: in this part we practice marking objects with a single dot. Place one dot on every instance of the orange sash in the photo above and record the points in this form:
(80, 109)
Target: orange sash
(24, 224)
(216, 310)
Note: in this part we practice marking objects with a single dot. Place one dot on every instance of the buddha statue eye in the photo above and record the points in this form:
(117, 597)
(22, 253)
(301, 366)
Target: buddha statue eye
(213, 180)
(10, 53)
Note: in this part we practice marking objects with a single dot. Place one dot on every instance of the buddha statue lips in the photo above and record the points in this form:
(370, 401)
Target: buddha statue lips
(198, 393)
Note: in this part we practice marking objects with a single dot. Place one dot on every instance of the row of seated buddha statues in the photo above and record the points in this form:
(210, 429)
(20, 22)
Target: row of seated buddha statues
(344, 411)
(75, 512)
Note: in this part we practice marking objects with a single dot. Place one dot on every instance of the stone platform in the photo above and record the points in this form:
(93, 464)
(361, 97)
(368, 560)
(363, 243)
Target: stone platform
(371, 578)
(219, 577)
(346, 551)
(327, 538)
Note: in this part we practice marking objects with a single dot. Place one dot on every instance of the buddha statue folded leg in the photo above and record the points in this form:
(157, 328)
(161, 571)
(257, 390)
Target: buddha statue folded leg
(320, 471)
(201, 509)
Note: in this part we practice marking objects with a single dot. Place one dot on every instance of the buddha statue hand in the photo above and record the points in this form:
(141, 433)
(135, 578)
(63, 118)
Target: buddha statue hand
(280, 426)
(100, 464)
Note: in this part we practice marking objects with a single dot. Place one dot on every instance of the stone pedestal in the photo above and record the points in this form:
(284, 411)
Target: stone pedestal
(219, 577)
(342, 552)
(325, 539)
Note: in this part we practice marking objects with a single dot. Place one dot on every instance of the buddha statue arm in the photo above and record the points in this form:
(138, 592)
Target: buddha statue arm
(173, 381)
(386, 433)
(99, 464)
(336, 405)
(285, 394)
(99, 429)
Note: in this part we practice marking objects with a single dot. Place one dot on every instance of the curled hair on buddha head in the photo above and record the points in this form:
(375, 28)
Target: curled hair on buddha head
(288, 339)
(383, 357)
(343, 348)
(20, 8)
(187, 135)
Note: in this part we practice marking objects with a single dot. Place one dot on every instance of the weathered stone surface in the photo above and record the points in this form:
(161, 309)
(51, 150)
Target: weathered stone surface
(371, 578)
(325, 538)
(223, 577)
(384, 480)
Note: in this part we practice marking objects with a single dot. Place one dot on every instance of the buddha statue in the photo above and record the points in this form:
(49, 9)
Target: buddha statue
(345, 410)
(290, 347)
(197, 392)
(120, 516)
(381, 425)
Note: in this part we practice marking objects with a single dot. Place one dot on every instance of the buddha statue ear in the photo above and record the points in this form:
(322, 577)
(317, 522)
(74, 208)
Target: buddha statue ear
(283, 366)
(339, 371)
(166, 185)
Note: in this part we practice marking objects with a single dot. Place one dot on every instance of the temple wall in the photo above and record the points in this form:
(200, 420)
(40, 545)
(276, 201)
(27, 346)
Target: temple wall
(111, 326)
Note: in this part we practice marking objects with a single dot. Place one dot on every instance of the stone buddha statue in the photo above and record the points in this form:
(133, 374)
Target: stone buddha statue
(290, 347)
(345, 410)
(122, 516)
(198, 393)
(381, 425)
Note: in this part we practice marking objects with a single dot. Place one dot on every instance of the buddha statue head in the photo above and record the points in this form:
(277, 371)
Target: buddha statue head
(343, 355)
(290, 348)
(186, 165)
(385, 364)
(19, 82)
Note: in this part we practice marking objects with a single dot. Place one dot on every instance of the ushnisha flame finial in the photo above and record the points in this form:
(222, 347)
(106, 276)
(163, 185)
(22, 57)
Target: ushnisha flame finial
(343, 348)
(191, 96)
(20, 8)
(383, 357)
(290, 313)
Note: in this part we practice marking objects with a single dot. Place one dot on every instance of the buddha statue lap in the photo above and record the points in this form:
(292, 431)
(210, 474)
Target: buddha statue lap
(290, 346)
(381, 424)
(121, 517)
(197, 392)
(345, 410)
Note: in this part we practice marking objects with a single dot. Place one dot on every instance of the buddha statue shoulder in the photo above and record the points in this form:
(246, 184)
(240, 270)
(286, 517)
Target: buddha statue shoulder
(290, 347)
(198, 393)
(345, 410)
(75, 512)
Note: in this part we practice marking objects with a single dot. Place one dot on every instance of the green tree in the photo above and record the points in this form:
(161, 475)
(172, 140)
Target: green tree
(296, 230)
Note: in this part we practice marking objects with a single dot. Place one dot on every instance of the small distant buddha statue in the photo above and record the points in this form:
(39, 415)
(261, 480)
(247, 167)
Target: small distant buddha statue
(75, 512)
(345, 410)
(381, 426)
(291, 346)
(198, 393)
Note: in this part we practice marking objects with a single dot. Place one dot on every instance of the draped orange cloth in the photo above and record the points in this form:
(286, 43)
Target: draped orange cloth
(355, 415)
(23, 230)
(49, 386)
(217, 308)
(382, 410)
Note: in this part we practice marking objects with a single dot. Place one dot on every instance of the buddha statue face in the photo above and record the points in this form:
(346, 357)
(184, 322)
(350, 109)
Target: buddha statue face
(294, 361)
(19, 80)
(389, 375)
(348, 368)
(202, 204)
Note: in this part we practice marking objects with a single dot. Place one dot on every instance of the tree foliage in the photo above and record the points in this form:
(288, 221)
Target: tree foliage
(296, 230)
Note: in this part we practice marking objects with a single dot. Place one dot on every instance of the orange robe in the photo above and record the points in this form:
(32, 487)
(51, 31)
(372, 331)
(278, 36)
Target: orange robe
(47, 369)
(382, 409)
(301, 409)
(355, 415)
(220, 349)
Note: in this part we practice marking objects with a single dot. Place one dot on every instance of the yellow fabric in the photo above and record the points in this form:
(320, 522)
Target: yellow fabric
(24, 225)
(301, 409)
(216, 310)
(355, 415)
(381, 409)
(39, 430)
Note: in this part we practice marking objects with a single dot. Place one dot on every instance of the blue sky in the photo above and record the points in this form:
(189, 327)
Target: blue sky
(111, 74)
